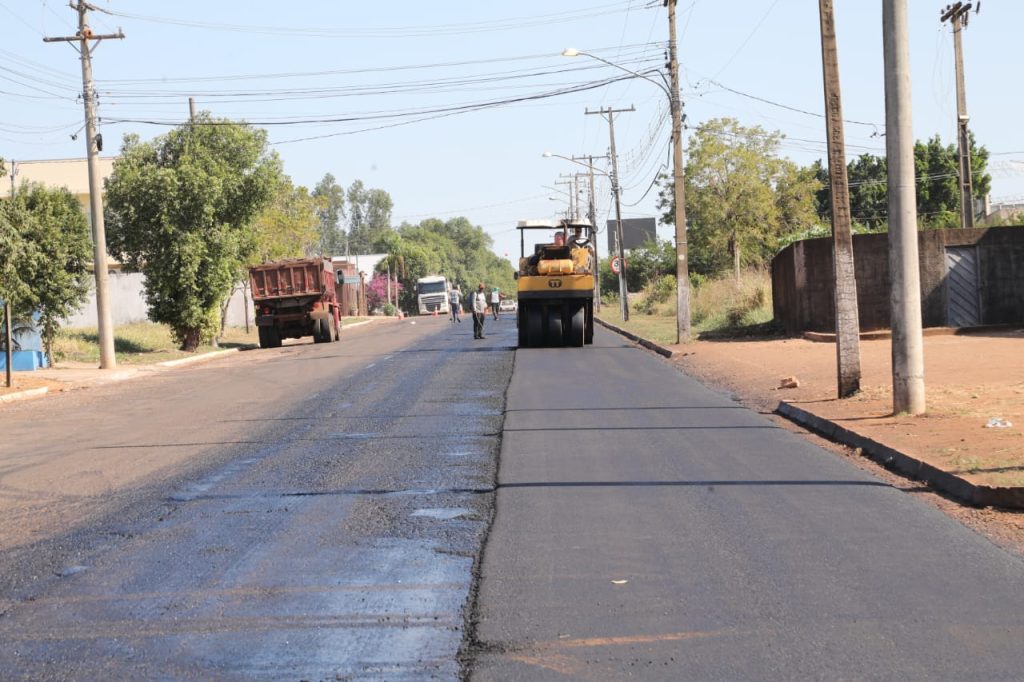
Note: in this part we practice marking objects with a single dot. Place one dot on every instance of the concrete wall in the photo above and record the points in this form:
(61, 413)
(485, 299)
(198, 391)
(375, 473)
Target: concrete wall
(127, 293)
(802, 292)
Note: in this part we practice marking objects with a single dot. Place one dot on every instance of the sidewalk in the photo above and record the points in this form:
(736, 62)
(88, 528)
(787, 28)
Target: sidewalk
(972, 380)
(66, 376)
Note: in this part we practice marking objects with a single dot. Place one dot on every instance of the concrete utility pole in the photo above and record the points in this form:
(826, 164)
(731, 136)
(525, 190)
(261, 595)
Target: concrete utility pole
(192, 108)
(93, 145)
(682, 264)
(9, 309)
(592, 217)
(905, 295)
(958, 14)
(844, 278)
(610, 114)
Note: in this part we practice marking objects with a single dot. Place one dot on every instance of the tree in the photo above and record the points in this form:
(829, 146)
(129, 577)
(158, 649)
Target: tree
(59, 278)
(736, 212)
(19, 257)
(288, 227)
(180, 210)
(938, 190)
(330, 209)
(369, 216)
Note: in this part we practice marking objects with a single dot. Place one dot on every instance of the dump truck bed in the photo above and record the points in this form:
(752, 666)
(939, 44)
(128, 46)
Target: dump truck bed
(286, 279)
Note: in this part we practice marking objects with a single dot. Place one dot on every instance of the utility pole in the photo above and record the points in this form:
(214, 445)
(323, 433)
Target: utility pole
(93, 145)
(905, 295)
(616, 190)
(592, 217)
(682, 258)
(568, 183)
(9, 309)
(958, 15)
(844, 277)
(192, 108)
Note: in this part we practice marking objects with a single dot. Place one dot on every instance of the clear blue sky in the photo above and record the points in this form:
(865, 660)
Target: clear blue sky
(279, 62)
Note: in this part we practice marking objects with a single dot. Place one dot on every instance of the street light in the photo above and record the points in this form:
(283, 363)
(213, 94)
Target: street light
(682, 268)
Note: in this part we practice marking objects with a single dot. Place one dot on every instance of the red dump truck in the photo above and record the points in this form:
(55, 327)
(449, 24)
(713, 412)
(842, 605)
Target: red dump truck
(295, 298)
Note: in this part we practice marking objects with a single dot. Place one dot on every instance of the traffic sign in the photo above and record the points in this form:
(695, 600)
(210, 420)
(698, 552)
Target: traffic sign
(617, 264)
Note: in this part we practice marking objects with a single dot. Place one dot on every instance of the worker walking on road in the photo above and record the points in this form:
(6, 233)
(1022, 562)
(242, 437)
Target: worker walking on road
(455, 303)
(479, 301)
(495, 300)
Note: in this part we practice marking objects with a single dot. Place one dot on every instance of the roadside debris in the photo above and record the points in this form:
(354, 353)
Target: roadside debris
(998, 423)
(789, 382)
(619, 582)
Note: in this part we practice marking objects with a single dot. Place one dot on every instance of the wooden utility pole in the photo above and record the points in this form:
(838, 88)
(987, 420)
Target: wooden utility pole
(609, 114)
(905, 294)
(844, 277)
(958, 14)
(682, 264)
(93, 145)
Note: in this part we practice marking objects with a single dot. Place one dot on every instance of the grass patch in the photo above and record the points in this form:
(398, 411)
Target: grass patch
(140, 343)
(720, 308)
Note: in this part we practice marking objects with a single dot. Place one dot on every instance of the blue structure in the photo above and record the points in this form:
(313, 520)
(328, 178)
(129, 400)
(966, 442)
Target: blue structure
(30, 342)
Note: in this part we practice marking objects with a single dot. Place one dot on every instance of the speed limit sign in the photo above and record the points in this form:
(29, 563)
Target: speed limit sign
(617, 263)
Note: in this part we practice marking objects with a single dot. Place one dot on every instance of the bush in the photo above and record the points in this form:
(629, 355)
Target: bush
(388, 309)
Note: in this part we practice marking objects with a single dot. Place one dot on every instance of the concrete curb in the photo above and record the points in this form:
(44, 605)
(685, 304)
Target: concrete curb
(951, 484)
(650, 345)
(355, 324)
(24, 395)
(881, 334)
(196, 358)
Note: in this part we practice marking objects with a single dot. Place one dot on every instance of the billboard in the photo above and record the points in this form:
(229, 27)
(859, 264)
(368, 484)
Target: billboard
(635, 231)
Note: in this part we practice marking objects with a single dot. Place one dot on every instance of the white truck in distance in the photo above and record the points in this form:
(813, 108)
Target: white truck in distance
(432, 295)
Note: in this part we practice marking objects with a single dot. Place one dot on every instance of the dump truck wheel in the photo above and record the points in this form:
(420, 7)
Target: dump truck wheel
(554, 337)
(534, 327)
(321, 332)
(265, 337)
(578, 327)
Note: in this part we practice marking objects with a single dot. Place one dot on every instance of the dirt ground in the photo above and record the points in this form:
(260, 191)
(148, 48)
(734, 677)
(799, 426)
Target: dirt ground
(970, 379)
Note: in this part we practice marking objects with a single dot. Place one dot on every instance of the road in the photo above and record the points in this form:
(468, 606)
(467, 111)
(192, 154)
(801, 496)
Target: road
(414, 504)
(647, 527)
(321, 518)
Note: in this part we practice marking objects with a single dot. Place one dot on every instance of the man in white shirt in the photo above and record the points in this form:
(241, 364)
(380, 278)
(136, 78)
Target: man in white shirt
(495, 300)
(479, 301)
(455, 303)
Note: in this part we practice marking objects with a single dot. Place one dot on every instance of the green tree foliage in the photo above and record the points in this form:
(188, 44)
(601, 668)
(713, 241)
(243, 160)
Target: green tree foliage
(937, 190)
(741, 197)
(454, 248)
(369, 216)
(19, 257)
(53, 222)
(330, 210)
(180, 210)
(289, 227)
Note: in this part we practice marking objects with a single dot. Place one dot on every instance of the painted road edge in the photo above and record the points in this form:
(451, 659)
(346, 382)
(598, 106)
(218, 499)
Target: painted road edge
(24, 395)
(196, 358)
(650, 345)
(951, 484)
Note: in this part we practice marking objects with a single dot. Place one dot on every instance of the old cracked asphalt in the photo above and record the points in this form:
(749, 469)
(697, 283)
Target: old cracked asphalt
(323, 510)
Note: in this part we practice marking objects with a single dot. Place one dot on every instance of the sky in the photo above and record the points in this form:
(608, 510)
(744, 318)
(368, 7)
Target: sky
(449, 106)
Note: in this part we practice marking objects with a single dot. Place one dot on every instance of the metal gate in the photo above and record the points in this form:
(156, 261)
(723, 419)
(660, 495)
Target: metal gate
(964, 307)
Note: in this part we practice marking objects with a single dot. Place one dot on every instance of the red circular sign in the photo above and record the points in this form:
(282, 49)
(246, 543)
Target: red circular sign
(616, 265)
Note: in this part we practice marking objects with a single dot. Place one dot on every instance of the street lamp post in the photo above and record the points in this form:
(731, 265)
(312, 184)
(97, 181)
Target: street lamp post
(675, 105)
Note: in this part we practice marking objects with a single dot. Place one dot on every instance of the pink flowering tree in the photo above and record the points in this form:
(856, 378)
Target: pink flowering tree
(377, 290)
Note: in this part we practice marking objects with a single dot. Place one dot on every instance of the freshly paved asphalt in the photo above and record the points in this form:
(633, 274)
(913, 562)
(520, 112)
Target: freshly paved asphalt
(331, 520)
(647, 527)
(327, 529)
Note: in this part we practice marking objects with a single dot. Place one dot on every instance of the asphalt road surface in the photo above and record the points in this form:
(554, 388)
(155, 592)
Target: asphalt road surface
(323, 513)
(647, 527)
(323, 525)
